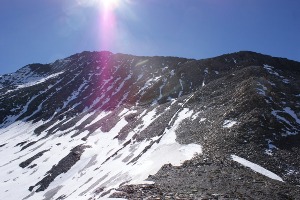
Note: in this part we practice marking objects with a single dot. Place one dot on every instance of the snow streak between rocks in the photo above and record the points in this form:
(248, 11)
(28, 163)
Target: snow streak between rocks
(256, 168)
(104, 164)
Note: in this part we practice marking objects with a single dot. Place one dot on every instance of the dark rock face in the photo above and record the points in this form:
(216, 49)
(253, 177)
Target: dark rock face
(63, 166)
(245, 104)
(30, 160)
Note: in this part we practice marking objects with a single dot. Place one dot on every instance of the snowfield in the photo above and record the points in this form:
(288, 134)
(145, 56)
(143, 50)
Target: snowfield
(105, 163)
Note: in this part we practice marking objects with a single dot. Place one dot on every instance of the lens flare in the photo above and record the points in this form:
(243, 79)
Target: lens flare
(108, 23)
(110, 4)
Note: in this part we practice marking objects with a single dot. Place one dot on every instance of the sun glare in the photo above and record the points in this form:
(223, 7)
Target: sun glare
(110, 4)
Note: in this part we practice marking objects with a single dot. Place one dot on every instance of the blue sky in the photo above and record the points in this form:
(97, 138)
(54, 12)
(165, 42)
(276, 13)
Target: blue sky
(41, 31)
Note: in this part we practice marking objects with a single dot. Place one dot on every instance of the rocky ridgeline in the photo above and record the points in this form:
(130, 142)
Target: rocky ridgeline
(245, 104)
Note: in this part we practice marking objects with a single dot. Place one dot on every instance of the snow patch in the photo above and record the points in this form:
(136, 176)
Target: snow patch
(269, 151)
(37, 80)
(271, 70)
(172, 73)
(166, 151)
(229, 123)
(148, 84)
(195, 116)
(202, 119)
(256, 168)
(139, 77)
(292, 113)
(279, 114)
(261, 89)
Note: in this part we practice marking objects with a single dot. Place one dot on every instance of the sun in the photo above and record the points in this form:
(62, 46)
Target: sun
(110, 4)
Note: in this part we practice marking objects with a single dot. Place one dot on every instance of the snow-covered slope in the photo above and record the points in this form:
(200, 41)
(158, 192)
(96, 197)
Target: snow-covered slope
(66, 165)
(26, 76)
(95, 124)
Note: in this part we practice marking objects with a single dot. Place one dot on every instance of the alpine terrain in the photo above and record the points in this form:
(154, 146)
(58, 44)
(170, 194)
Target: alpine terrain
(99, 125)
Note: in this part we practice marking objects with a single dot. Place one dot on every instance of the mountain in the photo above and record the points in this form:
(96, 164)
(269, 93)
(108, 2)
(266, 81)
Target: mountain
(97, 125)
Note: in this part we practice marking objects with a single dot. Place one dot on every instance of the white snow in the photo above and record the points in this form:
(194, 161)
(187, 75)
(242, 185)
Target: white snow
(275, 113)
(123, 98)
(172, 72)
(261, 89)
(148, 84)
(122, 84)
(155, 101)
(271, 70)
(147, 119)
(195, 116)
(279, 114)
(181, 84)
(161, 87)
(74, 94)
(107, 162)
(292, 113)
(229, 123)
(166, 151)
(139, 77)
(111, 86)
(100, 116)
(24, 109)
(180, 94)
(164, 69)
(13, 175)
(37, 80)
(271, 146)
(287, 81)
(25, 77)
(256, 168)
(84, 118)
(123, 112)
(202, 119)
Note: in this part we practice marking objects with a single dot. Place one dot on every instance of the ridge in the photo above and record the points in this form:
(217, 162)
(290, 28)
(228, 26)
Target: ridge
(151, 127)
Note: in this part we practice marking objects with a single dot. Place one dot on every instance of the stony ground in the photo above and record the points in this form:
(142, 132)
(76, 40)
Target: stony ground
(204, 178)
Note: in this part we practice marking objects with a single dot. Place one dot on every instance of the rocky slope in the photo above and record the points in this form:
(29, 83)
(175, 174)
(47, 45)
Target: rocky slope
(97, 125)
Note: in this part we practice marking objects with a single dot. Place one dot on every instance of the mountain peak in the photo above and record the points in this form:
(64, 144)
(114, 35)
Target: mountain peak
(170, 127)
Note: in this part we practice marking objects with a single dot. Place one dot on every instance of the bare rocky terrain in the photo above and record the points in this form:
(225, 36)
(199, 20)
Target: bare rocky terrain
(97, 125)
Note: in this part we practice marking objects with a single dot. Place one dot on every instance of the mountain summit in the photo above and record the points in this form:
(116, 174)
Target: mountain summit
(97, 125)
